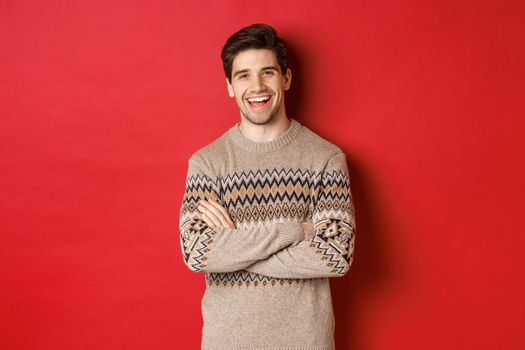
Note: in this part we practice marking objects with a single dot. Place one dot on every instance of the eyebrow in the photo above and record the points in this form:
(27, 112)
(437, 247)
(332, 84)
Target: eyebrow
(247, 70)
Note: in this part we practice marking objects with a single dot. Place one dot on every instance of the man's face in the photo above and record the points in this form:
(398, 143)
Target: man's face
(258, 85)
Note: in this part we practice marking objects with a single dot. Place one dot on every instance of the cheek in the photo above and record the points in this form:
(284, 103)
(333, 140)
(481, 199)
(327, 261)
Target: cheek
(239, 99)
(238, 92)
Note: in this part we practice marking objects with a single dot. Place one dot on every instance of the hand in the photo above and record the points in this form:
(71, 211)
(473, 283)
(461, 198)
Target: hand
(214, 214)
(308, 229)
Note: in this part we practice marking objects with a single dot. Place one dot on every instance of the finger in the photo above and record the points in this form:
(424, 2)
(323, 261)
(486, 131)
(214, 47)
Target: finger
(224, 212)
(204, 210)
(217, 216)
(308, 229)
(220, 212)
(207, 220)
(216, 212)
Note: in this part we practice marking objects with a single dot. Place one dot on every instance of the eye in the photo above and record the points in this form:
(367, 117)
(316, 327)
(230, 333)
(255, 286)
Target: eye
(268, 73)
(242, 76)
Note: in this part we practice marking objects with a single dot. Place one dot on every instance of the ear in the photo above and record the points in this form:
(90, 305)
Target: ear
(287, 79)
(230, 88)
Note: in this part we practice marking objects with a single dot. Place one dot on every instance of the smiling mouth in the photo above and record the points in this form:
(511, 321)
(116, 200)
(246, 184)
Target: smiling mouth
(258, 102)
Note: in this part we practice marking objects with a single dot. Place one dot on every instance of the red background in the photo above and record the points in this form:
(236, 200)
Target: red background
(103, 102)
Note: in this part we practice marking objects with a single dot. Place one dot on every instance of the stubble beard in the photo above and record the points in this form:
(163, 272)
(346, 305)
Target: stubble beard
(269, 118)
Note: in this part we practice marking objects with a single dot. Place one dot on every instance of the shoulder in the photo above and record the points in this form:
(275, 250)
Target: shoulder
(319, 145)
(325, 155)
(206, 157)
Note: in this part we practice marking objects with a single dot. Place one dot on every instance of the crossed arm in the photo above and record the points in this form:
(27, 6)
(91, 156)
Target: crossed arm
(215, 215)
(322, 248)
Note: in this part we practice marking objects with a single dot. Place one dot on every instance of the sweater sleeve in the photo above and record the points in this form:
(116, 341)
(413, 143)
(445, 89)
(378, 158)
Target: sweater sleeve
(207, 249)
(329, 252)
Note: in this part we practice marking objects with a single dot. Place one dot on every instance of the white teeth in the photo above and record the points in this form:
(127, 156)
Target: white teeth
(259, 99)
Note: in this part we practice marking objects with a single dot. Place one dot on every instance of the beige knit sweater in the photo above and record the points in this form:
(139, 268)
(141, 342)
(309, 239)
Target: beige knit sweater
(266, 285)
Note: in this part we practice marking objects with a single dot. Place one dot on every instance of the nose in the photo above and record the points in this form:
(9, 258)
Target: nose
(258, 84)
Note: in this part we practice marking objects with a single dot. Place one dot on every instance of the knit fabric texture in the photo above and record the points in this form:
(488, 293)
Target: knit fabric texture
(267, 286)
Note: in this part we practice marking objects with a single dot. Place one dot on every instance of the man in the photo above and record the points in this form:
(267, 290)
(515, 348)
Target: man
(267, 213)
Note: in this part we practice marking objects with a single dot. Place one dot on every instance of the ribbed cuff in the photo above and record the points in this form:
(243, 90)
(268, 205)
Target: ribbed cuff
(290, 232)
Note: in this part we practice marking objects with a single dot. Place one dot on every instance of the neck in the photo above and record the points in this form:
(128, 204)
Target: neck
(265, 132)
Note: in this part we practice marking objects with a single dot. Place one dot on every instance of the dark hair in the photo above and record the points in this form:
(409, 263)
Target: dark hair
(255, 36)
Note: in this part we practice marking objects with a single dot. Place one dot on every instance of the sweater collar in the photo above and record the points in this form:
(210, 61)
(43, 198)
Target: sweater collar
(260, 147)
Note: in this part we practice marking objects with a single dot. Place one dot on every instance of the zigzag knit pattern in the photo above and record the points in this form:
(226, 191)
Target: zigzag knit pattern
(266, 195)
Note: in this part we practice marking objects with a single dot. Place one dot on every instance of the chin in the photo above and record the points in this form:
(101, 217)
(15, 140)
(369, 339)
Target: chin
(259, 120)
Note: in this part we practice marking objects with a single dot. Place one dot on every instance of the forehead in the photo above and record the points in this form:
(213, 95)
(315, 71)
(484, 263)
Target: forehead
(254, 59)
